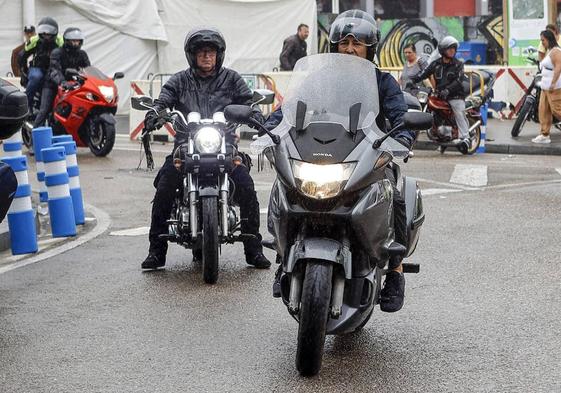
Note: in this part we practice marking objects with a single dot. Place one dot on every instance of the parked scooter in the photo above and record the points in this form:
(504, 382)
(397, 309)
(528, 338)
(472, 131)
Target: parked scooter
(445, 129)
(86, 111)
(330, 209)
(203, 215)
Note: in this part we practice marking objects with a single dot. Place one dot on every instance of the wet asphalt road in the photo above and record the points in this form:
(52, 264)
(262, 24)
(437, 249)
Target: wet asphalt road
(483, 315)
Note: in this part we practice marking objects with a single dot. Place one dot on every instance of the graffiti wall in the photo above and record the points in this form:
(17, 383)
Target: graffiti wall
(425, 34)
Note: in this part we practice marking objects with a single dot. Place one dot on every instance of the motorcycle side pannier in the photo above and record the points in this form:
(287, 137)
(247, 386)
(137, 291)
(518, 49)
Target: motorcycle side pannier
(13, 109)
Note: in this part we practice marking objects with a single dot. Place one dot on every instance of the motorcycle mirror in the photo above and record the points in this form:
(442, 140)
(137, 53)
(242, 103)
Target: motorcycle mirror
(142, 103)
(70, 73)
(118, 75)
(263, 97)
(417, 121)
(238, 113)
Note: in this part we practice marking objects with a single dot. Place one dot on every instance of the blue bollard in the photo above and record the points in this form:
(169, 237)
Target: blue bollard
(42, 139)
(484, 110)
(62, 138)
(21, 218)
(61, 210)
(12, 146)
(74, 180)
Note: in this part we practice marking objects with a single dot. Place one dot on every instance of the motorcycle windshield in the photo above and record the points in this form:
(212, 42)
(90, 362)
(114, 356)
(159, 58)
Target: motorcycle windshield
(94, 73)
(328, 86)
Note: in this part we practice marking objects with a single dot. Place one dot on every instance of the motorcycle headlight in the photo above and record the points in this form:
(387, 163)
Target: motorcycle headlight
(422, 96)
(321, 181)
(108, 92)
(208, 140)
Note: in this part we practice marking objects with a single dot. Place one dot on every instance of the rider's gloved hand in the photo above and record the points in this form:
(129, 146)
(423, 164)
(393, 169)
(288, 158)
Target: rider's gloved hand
(444, 93)
(153, 122)
(404, 141)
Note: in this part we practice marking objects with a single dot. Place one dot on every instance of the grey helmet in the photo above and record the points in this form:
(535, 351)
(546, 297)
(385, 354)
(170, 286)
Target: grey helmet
(48, 26)
(73, 34)
(447, 43)
(358, 24)
(204, 36)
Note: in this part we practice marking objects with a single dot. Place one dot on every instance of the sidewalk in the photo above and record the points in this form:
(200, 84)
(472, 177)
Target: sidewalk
(499, 140)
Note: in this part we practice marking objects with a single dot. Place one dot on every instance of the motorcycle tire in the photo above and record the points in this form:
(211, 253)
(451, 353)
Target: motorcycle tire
(523, 115)
(210, 242)
(313, 316)
(26, 135)
(101, 139)
(475, 139)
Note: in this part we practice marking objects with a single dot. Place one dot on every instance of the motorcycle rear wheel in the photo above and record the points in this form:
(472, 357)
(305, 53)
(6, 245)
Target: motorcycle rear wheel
(314, 313)
(101, 138)
(210, 244)
(475, 140)
(523, 115)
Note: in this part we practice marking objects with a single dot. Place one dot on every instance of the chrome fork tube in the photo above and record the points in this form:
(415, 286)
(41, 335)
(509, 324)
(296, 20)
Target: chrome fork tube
(224, 204)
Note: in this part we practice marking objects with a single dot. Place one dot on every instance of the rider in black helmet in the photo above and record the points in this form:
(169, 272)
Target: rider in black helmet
(355, 32)
(206, 87)
(448, 73)
(69, 56)
(40, 47)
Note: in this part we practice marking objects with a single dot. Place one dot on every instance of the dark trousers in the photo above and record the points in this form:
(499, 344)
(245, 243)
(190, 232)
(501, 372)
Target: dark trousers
(48, 95)
(399, 218)
(169, 179)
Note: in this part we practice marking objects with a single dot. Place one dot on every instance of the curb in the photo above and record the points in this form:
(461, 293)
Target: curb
(502, 148)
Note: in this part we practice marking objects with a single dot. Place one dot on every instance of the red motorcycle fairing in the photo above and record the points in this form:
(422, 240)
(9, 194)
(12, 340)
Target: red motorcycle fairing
(72, 107)
(439, 104)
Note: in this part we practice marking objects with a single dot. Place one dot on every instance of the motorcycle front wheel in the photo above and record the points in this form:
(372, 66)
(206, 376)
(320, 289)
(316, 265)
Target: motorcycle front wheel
(210, 244)
(475, 139)
(101, 138)
(314, 313)
(523, 115)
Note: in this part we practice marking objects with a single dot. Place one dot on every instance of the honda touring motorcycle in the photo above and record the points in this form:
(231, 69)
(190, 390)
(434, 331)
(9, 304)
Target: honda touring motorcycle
(330, 209)
(85, 111)
(203, 215)
(445, 129)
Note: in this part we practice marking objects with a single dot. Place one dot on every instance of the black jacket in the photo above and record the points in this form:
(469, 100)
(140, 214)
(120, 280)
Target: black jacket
(447, 75)
(293, 49)
(63, 59)
(187, 92)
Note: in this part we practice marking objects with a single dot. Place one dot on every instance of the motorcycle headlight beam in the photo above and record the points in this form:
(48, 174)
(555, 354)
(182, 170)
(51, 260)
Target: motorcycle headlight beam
(321, 181)
(108, 92)
(208, 140)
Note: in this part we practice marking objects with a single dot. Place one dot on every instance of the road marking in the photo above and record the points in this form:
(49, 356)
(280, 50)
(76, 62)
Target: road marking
(264, 210)
(558, 170)
(531, 183)
(470, 175)
(447, 185)
(131, 232)
(437, 191)
(103, 223)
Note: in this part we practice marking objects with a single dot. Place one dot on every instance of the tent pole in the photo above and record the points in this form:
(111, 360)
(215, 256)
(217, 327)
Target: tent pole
(28, 12)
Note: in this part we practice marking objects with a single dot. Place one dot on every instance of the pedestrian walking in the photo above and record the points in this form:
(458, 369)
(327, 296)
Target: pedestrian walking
(294, 48)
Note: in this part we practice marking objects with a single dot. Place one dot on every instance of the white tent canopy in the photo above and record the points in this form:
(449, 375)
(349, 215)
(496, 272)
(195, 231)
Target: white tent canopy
(139, 37)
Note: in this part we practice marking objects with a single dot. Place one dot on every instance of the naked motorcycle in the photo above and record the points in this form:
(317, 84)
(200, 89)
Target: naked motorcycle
(330, 208)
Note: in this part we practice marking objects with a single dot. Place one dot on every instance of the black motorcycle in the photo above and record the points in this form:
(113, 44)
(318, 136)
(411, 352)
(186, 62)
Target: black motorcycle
(330, 209)
(203, 215)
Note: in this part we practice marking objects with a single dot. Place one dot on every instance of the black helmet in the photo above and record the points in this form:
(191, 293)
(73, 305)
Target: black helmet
(447, 43)
(47, 25)
(358, 24)
(13, 109)
(203, 36)
(73, 34)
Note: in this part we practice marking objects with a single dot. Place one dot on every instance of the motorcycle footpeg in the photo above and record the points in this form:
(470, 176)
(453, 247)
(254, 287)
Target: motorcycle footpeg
(268, 243)
(411, 267)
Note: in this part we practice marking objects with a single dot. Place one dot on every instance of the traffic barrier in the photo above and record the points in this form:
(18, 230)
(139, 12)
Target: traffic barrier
(73, 179)
(61, 138)
(484, 110)
(12, 146)
(21, 218)
(42, 139)
(61, 210)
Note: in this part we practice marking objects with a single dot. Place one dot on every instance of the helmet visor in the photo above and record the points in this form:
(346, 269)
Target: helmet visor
(361, 29)
(46, 29)
(74, 35)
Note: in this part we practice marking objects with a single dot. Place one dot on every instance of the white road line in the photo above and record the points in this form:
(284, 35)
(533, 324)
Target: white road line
(558, 170)
(470, 175)
(131, 232)
(264, 210)
(447, 185)
(437, 191)
(103, 223)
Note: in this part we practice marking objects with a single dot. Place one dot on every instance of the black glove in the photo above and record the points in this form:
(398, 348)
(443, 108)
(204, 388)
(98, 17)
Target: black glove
(444, 93)
(23, 80)
(150, 121)
(404, 141)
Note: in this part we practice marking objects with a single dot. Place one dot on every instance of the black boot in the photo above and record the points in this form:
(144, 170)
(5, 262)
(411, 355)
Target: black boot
(391, 296)
(277, 283)
(258, 260)
(153, 261)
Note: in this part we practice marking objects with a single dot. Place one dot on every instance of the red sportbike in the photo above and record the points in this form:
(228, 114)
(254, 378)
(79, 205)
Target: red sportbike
(85, 109)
